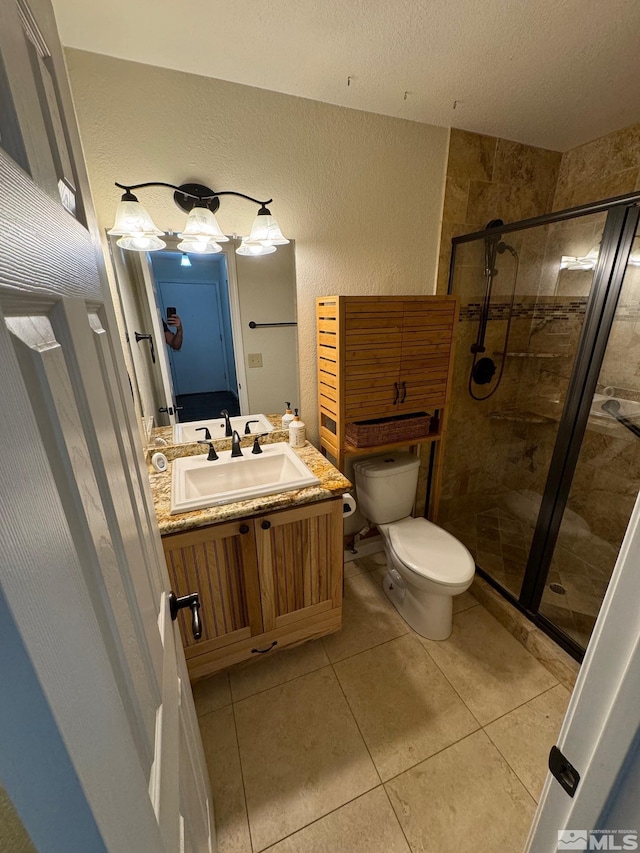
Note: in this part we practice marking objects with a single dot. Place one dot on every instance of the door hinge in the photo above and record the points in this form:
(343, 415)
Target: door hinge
(564, 771)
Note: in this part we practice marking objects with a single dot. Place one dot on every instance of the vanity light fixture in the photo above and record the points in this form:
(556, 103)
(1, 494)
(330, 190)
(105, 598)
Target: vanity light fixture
(201, 234)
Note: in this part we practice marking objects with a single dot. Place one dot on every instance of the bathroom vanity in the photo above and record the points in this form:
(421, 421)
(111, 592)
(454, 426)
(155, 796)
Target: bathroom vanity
(268, 571)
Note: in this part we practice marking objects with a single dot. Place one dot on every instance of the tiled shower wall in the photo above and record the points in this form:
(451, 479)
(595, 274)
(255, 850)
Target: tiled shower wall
(606, 167)
(490, 178)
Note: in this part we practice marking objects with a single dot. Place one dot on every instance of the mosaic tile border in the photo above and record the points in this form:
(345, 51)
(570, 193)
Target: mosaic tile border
(561, 310)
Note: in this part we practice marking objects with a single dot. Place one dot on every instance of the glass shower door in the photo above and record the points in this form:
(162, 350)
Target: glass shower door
(501, 433)
(606, 479)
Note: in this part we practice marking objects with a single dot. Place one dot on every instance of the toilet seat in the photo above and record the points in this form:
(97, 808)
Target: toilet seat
(431, 552)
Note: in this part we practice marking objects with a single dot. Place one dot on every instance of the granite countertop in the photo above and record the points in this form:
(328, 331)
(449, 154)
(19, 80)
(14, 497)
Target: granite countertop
(332, 483)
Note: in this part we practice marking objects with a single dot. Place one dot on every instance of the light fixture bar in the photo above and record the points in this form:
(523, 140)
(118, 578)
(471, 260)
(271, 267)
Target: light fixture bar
(202, 233)
(197, 196)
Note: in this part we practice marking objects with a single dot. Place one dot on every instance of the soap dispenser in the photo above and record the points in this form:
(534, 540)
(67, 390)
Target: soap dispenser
(297, 432)
(287, 417)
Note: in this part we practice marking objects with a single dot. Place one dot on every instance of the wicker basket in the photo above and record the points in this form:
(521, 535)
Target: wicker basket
(387, 430)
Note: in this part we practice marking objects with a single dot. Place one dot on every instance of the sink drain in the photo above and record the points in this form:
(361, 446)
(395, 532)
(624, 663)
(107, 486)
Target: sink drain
(557, 588)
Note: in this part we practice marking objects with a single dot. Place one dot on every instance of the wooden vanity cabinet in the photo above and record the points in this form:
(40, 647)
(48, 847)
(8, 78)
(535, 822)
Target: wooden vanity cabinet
(265, 583)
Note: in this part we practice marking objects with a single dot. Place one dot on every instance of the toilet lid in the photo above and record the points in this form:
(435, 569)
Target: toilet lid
(430, 551)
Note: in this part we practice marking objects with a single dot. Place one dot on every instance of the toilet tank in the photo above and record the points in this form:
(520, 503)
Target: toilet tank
(386, 486)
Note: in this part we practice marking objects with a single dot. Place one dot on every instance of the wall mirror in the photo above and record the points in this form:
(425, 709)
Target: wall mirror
(239, 347)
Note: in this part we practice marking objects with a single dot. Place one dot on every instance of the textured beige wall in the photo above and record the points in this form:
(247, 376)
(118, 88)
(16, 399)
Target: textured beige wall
(490, 178)
(360, 193)
(606, 167)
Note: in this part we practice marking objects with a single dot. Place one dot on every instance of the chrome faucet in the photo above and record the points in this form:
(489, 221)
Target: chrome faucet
(235, 444)
(227, 423)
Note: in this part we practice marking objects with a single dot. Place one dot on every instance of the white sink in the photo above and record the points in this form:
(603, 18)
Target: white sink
(187, 432)
(197, 483)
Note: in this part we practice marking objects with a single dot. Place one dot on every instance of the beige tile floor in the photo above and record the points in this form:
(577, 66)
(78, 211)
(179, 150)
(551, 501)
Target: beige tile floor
(375, 740)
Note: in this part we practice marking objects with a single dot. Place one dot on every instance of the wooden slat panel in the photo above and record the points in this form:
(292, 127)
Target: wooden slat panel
(373, 340)
(318, 624)
(329, 326)
(365, 411)
(203, 647)
(424, 347)
(327, 339)
(291, 561)
(329, 391)
(384, 356)
(376, 396)
(305, 612)
(382, 322)
(328, 406)
(329, 440)
(377, 306)
(321, 568)
(310, 559)
(214, 592)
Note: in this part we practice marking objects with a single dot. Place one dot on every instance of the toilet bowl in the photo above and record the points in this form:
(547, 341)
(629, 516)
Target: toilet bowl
(426, 565)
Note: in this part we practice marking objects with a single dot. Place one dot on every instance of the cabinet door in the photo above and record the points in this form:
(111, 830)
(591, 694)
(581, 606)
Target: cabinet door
(372, 352)
(300, 559)
(220, 563)
(427, 331)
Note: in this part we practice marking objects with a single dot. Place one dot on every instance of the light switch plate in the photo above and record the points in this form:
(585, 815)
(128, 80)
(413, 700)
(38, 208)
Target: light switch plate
(254, 359)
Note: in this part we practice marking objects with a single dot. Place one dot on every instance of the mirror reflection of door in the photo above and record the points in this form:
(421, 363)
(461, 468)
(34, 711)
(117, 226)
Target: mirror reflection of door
(203, 369)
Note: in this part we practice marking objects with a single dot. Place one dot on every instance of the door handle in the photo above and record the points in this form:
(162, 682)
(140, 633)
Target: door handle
(244, 528)
(264, 651)
(397, 387)
(167, 409)
(404, 392)
(265, 525)
(191, 601)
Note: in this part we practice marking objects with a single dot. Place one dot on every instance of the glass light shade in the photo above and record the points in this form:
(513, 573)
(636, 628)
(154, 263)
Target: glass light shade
(184, 261)
(251, 247)
(200, 246)
(141, 242)
(133, 219)
(266, 230)
(202, 225)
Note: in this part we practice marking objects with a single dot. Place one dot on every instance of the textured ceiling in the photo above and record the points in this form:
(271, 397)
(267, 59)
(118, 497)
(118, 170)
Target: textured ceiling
(553, 73)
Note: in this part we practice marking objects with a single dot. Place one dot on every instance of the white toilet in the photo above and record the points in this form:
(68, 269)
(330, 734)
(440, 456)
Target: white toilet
(426, 566)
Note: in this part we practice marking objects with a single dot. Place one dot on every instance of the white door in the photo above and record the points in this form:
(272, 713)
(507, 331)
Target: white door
(199, 366)
(100, 745)
(600, 733)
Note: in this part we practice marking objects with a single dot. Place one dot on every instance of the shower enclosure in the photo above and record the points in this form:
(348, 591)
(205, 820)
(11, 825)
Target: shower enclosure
(542, 461)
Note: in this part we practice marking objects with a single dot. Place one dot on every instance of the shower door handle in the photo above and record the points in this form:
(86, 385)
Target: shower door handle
(396, 385)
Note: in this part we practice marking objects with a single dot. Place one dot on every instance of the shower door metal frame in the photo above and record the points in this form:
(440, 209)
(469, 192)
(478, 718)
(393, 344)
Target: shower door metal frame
(621, 225)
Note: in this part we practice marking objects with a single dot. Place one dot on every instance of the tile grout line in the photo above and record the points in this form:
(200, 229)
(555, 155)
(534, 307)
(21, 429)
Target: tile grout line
(323, 816)
(286, 680)
(353, 716)
(244, 790)
(522, 704)
(399, 822)
(449, 682)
